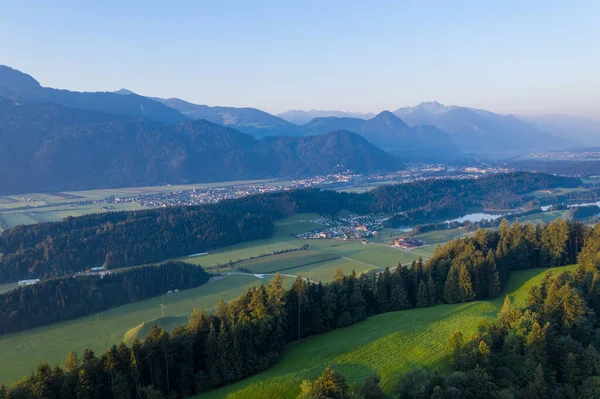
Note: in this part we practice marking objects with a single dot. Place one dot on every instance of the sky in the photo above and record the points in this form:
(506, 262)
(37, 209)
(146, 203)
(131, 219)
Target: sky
(522, 57)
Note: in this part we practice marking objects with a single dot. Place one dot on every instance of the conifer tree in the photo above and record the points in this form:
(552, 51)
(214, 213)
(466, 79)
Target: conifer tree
(357, 303)
(398, 299)
(464, 284)
(493, 276)
(504, 315)
(71, 362)
(370, 389)
(451, 291)
(423, 296)
(84, 386)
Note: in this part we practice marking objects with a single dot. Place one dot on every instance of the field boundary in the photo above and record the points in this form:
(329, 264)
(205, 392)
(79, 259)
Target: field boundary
(303, 265)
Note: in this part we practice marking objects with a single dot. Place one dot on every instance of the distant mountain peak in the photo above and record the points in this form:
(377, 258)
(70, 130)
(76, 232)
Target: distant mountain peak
(124, 92)
(22, 88)
(480, 131)
(385, 114)
(432, 106)
(14, 79)
(388, 118)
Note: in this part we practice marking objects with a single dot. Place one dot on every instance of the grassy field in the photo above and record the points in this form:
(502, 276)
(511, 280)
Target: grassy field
(15, 219)
(141, 330)
(543, 217)
(556, 191)
(349, 255)
(7, 287)
(388, 344)
(283, 239)
(56, 206)
(439, 236)
(22, 352)
(285, 261)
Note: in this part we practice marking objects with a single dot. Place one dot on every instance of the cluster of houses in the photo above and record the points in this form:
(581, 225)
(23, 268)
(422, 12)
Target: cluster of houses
(408, 243)
(94, 271)
(354, 227)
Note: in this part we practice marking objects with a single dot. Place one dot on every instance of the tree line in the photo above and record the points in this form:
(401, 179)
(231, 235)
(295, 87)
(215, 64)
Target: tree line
(549, 349)
(123, 239)
(66, 298)
(249, 334)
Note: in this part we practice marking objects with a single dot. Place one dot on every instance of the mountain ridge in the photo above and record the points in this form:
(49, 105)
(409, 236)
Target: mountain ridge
(301, 117)
(246, 119)
(481, 131)
(17, 85)
(389, 132)
(48, 147)
(585, 130)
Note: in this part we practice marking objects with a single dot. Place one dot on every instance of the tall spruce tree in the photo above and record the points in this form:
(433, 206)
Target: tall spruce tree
(423, 300)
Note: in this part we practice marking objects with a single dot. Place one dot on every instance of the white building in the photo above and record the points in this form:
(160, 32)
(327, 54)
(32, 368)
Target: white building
(28, 282)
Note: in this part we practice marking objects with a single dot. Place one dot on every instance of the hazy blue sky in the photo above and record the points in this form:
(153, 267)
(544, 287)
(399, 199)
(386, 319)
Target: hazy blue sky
(523, 56)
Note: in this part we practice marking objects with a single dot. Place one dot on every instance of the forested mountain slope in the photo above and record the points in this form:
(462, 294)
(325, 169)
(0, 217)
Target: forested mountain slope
(248, 120)
(388, 131)
(47, 147)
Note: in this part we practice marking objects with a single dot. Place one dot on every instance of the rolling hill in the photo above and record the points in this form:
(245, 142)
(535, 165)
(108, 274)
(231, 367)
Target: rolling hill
(23, 88)
(480, 131)
(48, 147)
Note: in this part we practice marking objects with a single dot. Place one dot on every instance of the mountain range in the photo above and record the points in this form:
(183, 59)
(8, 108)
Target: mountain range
(438, 130)
(384, 130)
(584, 130)
(388, 131)
(48, 147)
(480, 131)
(300, 117)
(21, 87)
(248, 120)
(56, 139)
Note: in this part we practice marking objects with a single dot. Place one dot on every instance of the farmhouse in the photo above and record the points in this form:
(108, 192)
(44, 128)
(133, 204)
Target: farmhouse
(407, 243)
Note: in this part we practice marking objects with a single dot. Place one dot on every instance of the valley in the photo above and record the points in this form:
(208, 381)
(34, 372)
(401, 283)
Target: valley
(49, 207)
(318, 263)
(299, 200)
(23, 350)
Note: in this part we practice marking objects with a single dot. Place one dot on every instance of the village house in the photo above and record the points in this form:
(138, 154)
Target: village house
(407, 243)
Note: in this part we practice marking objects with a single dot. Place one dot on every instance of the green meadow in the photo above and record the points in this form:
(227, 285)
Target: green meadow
(23, 351)
(49, 207)
(388, 345)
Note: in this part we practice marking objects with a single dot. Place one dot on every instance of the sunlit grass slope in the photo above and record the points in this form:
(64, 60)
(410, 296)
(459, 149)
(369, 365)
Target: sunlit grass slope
(388, 344)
